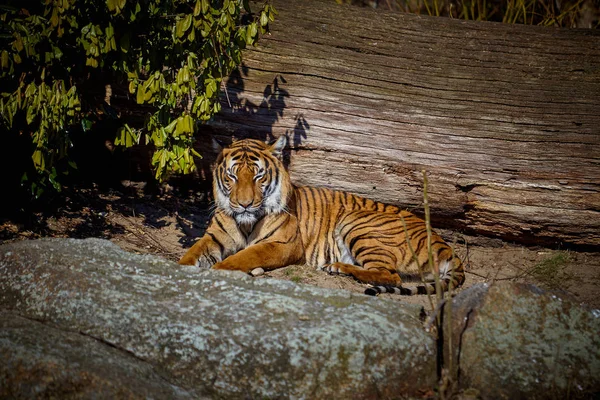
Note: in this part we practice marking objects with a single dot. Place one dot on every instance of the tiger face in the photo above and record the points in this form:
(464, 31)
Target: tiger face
(248, 180)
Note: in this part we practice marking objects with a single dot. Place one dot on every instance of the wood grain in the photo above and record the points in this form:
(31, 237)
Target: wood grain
(505, 119)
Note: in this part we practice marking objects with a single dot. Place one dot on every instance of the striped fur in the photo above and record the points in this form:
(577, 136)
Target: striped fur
(262, 220)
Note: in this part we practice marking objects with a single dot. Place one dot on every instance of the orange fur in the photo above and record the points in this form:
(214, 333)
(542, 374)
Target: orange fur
(262, 220)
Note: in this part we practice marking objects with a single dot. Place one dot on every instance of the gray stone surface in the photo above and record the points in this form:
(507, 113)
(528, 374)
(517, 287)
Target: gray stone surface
(219, 334)
(41, 361)
(513, 341)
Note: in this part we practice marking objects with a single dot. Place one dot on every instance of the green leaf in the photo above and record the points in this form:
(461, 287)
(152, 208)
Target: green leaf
(163, 160)
(264, 19)
(111, 5)
(4, 60)
(57, 52)
(251, 33)
(116, 5)
(52, 178)
(86, 124)
(169, 128)
(209, 89)
(121, 4)
(38, 160)
(18, 44)
(30, 115)
(141, 94)
(183, 25)
(126, 137)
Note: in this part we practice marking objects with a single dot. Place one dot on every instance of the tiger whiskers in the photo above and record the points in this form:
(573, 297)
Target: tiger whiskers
(286, 210)
(212, 207)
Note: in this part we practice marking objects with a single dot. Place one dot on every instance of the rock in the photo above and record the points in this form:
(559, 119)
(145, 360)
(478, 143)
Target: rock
(204, 333)
(516, 341)
(40, 361)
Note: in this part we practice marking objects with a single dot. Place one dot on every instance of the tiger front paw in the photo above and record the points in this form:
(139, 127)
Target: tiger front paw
(221, 266)
(229, 266)
(201, 261)
(188, 259)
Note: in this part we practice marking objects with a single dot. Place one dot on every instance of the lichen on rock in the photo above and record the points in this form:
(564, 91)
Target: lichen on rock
(220, 334)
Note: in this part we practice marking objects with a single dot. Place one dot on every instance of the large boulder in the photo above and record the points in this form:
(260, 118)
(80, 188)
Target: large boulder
(195, 333)
(515, 341)
(39, 360)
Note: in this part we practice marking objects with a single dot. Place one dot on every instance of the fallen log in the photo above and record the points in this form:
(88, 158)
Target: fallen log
(504, 118)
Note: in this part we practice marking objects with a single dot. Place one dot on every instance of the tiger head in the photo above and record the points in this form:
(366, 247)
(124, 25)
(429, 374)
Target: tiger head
(250, 180)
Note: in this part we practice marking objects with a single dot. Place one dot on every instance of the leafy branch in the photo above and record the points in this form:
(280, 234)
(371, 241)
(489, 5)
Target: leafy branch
(171, 56)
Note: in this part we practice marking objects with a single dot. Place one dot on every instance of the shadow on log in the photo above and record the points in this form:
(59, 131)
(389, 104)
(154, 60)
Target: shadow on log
(503, 118)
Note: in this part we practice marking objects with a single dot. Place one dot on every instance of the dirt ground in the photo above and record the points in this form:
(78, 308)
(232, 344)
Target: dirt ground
(167, 223)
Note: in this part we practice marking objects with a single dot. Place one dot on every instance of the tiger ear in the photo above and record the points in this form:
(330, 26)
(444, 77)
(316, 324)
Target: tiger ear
(277, 147)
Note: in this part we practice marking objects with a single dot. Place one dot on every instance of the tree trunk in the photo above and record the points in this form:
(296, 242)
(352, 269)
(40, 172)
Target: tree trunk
(505, 119)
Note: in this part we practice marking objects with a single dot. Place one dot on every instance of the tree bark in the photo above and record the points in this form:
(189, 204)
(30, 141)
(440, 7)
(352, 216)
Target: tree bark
(505, 119)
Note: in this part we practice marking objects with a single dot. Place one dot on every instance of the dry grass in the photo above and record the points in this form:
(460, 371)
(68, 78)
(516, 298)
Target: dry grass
(569, 14)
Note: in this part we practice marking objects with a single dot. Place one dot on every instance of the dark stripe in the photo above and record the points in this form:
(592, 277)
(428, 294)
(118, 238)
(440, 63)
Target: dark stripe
(246, 150)
(359, 251)
(354, 202)
(421, 238)
(299, 209)
(321, 201)
(221, 247)
(373, 291)
(369, 218)
(268, 165)
(392, 209)
(373, 260)
(220, 179)
(216, 219)
(379, 251)
(362, 226)
(350, 219)
(276, 178)
(440, 249)
(365, 217)
(270, 188)
(272, 231)
(311, 203)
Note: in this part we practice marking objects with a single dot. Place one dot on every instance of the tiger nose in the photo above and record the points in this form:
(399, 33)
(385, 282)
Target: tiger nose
(245, 203)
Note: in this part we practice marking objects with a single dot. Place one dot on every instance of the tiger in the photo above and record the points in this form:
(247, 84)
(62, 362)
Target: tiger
(262, 221)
